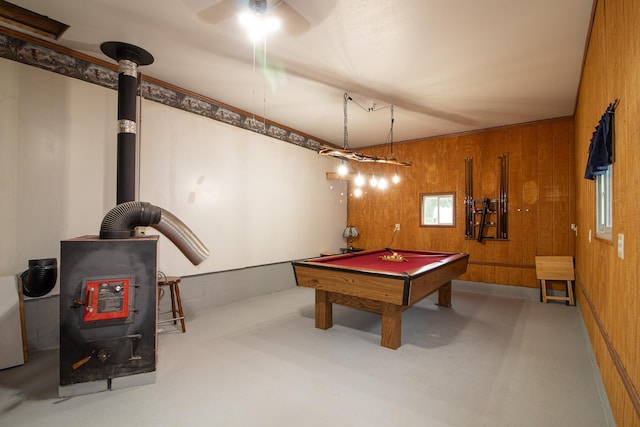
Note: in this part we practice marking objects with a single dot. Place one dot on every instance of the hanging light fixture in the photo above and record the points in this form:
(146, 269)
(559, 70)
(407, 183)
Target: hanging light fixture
(343, 169)
(345, 154)
(396, 177)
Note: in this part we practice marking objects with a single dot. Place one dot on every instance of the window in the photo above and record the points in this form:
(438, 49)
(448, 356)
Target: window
(603, 205)
(438, 209)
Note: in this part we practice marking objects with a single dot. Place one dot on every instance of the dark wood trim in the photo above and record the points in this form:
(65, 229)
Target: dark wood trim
(31, 21)
(632, 392)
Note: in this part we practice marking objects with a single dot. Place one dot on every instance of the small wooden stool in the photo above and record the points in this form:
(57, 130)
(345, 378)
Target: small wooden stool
(555, 268)
(176, 303)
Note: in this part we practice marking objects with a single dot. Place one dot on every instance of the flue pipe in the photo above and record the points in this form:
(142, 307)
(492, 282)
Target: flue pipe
(129, 57)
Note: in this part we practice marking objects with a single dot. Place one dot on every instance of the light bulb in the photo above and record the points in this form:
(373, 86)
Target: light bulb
(343, 169)
(257, 25)
(374, 181)
(383, 183)
(357, 192)
(359, 181)
(396, 178)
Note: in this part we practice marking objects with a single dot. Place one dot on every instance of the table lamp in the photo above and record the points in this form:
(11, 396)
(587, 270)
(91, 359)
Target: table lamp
(350, 232)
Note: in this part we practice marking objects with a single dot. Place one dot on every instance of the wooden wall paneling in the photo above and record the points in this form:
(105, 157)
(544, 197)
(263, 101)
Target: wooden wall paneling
(409, 187)
(562, 234)
(572, 188)
(591, 96)
(530, 196)
(469, 147)
(611, 71)
(483, 181)
(545, 188)
(620, 316)
(439, 166)
(500, 143)
(514, 205)
(474, 144)
(602, 274)
(448, 172)
(623, 84)
(633, 134)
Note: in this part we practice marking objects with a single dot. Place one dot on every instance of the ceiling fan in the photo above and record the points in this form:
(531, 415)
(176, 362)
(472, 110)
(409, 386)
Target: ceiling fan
(292, 22)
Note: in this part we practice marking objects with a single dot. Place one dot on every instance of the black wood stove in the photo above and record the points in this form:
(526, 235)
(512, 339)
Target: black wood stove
(107, 313)
(108, 283)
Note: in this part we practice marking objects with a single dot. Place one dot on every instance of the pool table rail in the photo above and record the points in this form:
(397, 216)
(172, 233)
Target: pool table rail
(361, 284)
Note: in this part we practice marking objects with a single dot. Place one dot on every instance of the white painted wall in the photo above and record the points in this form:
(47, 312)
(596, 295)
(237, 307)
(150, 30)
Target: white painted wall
(251, 199)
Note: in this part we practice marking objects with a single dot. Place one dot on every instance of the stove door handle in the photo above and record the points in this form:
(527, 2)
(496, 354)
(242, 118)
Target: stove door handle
(89, 300)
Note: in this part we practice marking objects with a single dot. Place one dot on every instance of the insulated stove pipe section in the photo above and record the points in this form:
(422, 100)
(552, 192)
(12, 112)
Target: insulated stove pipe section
(120, 222)
(129, 57)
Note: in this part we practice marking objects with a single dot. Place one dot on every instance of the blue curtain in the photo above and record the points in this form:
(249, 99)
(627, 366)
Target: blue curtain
(601, 147)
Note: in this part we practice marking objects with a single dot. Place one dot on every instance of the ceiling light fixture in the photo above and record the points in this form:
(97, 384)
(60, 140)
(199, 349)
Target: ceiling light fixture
(258, 25)
(257, 22)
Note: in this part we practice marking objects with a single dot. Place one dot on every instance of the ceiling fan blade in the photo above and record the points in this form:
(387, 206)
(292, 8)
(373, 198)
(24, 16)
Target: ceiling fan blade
(218, 12)
(292, 22)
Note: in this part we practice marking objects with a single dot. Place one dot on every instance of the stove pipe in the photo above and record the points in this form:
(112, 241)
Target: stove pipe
(120, 221)
(129, 57)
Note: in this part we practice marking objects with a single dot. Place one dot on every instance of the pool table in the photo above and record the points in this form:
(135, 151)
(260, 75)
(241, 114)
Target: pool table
(379, 282)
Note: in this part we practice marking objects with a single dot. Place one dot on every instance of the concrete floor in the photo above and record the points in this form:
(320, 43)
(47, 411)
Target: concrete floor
(487, 361)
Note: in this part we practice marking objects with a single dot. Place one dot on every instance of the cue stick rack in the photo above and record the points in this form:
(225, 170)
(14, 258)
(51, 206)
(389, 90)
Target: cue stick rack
(486, 218)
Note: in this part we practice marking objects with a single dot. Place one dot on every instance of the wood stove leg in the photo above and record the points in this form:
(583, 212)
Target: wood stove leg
(444, 295)
(324, 310)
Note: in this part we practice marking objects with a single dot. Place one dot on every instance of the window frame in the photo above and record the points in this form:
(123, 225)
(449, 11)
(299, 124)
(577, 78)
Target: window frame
(604, 205)
(439, 195)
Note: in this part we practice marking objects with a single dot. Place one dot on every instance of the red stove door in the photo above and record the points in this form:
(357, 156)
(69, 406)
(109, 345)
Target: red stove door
(106, 299)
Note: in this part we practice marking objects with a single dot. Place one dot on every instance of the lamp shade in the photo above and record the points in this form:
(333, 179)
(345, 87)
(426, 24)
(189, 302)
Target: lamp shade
(350, 231)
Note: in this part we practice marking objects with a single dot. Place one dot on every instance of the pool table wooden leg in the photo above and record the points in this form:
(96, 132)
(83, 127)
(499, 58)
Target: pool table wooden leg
(444, 295)
(391, 326)
(324, 310)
